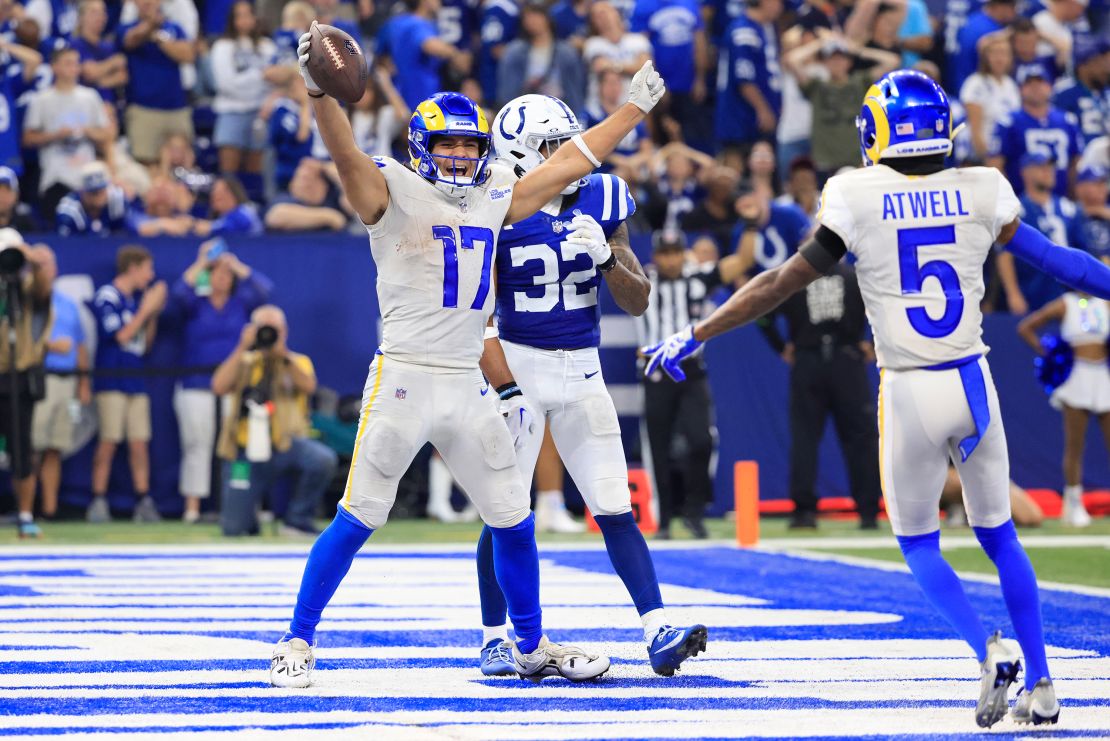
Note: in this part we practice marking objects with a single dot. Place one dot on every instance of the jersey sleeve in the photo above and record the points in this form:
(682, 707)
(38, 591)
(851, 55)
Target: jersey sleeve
(617, 203)
(396, 177)
(1007, 207)
(834, 213)
(108, 315)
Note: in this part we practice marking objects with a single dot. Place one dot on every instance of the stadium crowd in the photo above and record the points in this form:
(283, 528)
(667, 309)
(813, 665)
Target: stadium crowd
(175, 118)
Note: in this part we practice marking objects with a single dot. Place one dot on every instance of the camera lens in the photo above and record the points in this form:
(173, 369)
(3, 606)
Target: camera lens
(11, 260)
(265, 338)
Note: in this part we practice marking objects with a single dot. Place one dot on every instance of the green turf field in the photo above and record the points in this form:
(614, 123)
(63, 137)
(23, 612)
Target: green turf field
(1083, 563)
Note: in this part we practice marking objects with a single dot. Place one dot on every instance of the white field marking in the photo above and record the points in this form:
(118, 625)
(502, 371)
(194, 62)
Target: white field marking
(901, 568)
(573, 724)
(947, 542)
(91, 648)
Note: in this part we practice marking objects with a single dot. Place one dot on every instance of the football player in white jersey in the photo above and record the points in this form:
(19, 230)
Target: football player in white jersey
(920, 234)
(433, 235)
(549, 270)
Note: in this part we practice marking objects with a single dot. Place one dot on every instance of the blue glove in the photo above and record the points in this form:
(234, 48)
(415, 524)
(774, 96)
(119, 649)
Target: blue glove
(671, 352)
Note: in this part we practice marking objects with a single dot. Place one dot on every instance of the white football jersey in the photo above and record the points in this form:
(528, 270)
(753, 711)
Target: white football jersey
(435, 255)
(920, 244)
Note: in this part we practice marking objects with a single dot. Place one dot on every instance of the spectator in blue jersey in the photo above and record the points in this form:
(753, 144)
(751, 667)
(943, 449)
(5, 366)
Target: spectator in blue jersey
(571, 18)
(679, 47)
(499, 23)
(1026, 289)
(56, 19)
(418, 53)
(1092, 186)
(53, 418)
(98, 209)
(634, 151)
(457, 22)
(67, 123)
(538, 62)
(1037, 128)
(768, 233)
(229, 211)
(313, 203)
(956, 13)
(1027, 50)
(242, 73)
(13, 213)
(157, 104)
(296, 19)
(103, 66)
(995, 16)
(749, 86)
(1086, 96)
(214, 300)
(126, 313)
(291, 131)
(611, 46)
(18, 69)
(1058, 24)
(723, 13)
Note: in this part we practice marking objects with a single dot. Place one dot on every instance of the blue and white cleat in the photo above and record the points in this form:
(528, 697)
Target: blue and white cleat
(671, 646)
(997, 672)
(497, 659)
(1038, 705)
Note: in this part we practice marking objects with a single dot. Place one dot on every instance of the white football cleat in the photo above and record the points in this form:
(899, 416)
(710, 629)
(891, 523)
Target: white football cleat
(998, 672)
(552, 516)
(292, 663)
(1038, 705)
(555, 660)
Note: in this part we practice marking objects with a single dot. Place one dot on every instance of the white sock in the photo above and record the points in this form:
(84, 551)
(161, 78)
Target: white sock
(498, 632)
(653, 620)
(1073, 494)
(552, 498)
(26, 517)
(439, 484)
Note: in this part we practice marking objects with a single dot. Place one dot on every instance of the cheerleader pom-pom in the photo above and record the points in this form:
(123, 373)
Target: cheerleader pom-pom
(1054, 367)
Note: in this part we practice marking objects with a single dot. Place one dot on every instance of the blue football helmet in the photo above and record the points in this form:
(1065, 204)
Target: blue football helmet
(448, 114)
(904, 114)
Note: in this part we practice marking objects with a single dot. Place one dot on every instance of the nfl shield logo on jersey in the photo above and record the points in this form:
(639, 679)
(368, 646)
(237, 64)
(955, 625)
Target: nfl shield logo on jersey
(401, 393)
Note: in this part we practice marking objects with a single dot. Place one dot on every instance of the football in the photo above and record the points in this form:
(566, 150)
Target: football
(336, 63)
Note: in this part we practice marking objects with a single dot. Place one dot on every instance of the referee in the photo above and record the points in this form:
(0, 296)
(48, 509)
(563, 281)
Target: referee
(828, 357)
(679, 292)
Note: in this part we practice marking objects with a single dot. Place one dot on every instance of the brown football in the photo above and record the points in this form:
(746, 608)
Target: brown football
(336, 63)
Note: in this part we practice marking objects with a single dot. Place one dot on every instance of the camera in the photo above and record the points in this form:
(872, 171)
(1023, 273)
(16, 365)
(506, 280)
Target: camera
(12, 260)
(265, 337)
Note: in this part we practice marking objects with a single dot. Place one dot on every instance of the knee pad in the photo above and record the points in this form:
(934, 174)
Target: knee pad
(372, 507)
(612, 497)
(388, 445)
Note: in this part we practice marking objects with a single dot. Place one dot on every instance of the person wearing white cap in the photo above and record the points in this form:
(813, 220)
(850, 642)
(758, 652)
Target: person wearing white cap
(32, 331)
(99, 208)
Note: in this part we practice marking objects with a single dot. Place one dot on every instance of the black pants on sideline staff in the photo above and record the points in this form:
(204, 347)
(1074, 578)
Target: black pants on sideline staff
(683, 409)
(833, 383)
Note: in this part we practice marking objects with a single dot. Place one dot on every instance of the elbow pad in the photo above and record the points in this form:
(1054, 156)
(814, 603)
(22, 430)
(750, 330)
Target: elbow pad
(1070, 266)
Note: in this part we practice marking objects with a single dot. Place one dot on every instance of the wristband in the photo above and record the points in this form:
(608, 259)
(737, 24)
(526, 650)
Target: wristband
(509, 390)
(609, 264)
(491, 332)
(585, 150)
(315, 95)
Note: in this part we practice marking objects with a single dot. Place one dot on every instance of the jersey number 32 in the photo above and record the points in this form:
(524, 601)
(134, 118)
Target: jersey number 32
(568, 287)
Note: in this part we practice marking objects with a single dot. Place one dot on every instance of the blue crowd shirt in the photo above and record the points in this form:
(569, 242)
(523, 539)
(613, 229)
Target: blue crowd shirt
(671, 25)
(67, 323)
(154, 80)
(778, 239)
(113, 312)
(499, 23)
(1060, 222)
(417, 72)
(751, 56)
(1056, 135)
(97, 52)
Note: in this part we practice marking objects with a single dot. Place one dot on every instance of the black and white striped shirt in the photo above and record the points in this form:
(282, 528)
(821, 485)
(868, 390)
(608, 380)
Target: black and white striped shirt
(677, 302)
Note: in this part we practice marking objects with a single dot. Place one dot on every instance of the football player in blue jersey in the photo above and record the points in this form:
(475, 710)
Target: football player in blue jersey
(549, 269)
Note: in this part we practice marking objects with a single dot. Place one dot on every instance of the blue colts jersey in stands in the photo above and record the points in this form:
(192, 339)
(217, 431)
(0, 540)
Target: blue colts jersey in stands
(547, 288)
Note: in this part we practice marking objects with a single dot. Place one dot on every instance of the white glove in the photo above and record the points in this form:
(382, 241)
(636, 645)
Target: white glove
(303, 43)
(518, 416)
(646, 88)
(589, 235)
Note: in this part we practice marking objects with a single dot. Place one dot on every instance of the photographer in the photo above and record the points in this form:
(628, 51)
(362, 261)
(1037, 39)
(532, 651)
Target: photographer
(27, 285)
(270, 387)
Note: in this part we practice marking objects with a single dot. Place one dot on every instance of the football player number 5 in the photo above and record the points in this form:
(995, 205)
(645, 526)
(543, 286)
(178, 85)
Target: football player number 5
(468, 237)
(914, 274)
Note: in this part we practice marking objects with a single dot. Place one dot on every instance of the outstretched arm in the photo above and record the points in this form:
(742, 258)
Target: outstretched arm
(572, 162)
(363, 184)
(1068, 265)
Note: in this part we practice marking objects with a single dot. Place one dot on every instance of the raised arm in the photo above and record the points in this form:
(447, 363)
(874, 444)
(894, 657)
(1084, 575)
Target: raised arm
(363, 183)
(1068, 265)
(571, 163)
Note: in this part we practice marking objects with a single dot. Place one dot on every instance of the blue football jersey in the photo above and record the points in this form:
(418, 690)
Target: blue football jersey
(547, 288)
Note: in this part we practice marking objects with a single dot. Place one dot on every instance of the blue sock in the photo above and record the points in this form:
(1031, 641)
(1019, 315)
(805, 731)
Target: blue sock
(628, 551)
(328, 562)
(942, 588)
(489, 591)
(517, 564)
(1019, 589)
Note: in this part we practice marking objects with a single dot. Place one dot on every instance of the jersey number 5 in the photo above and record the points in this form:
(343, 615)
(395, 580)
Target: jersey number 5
(468, 235)
(914, 275)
